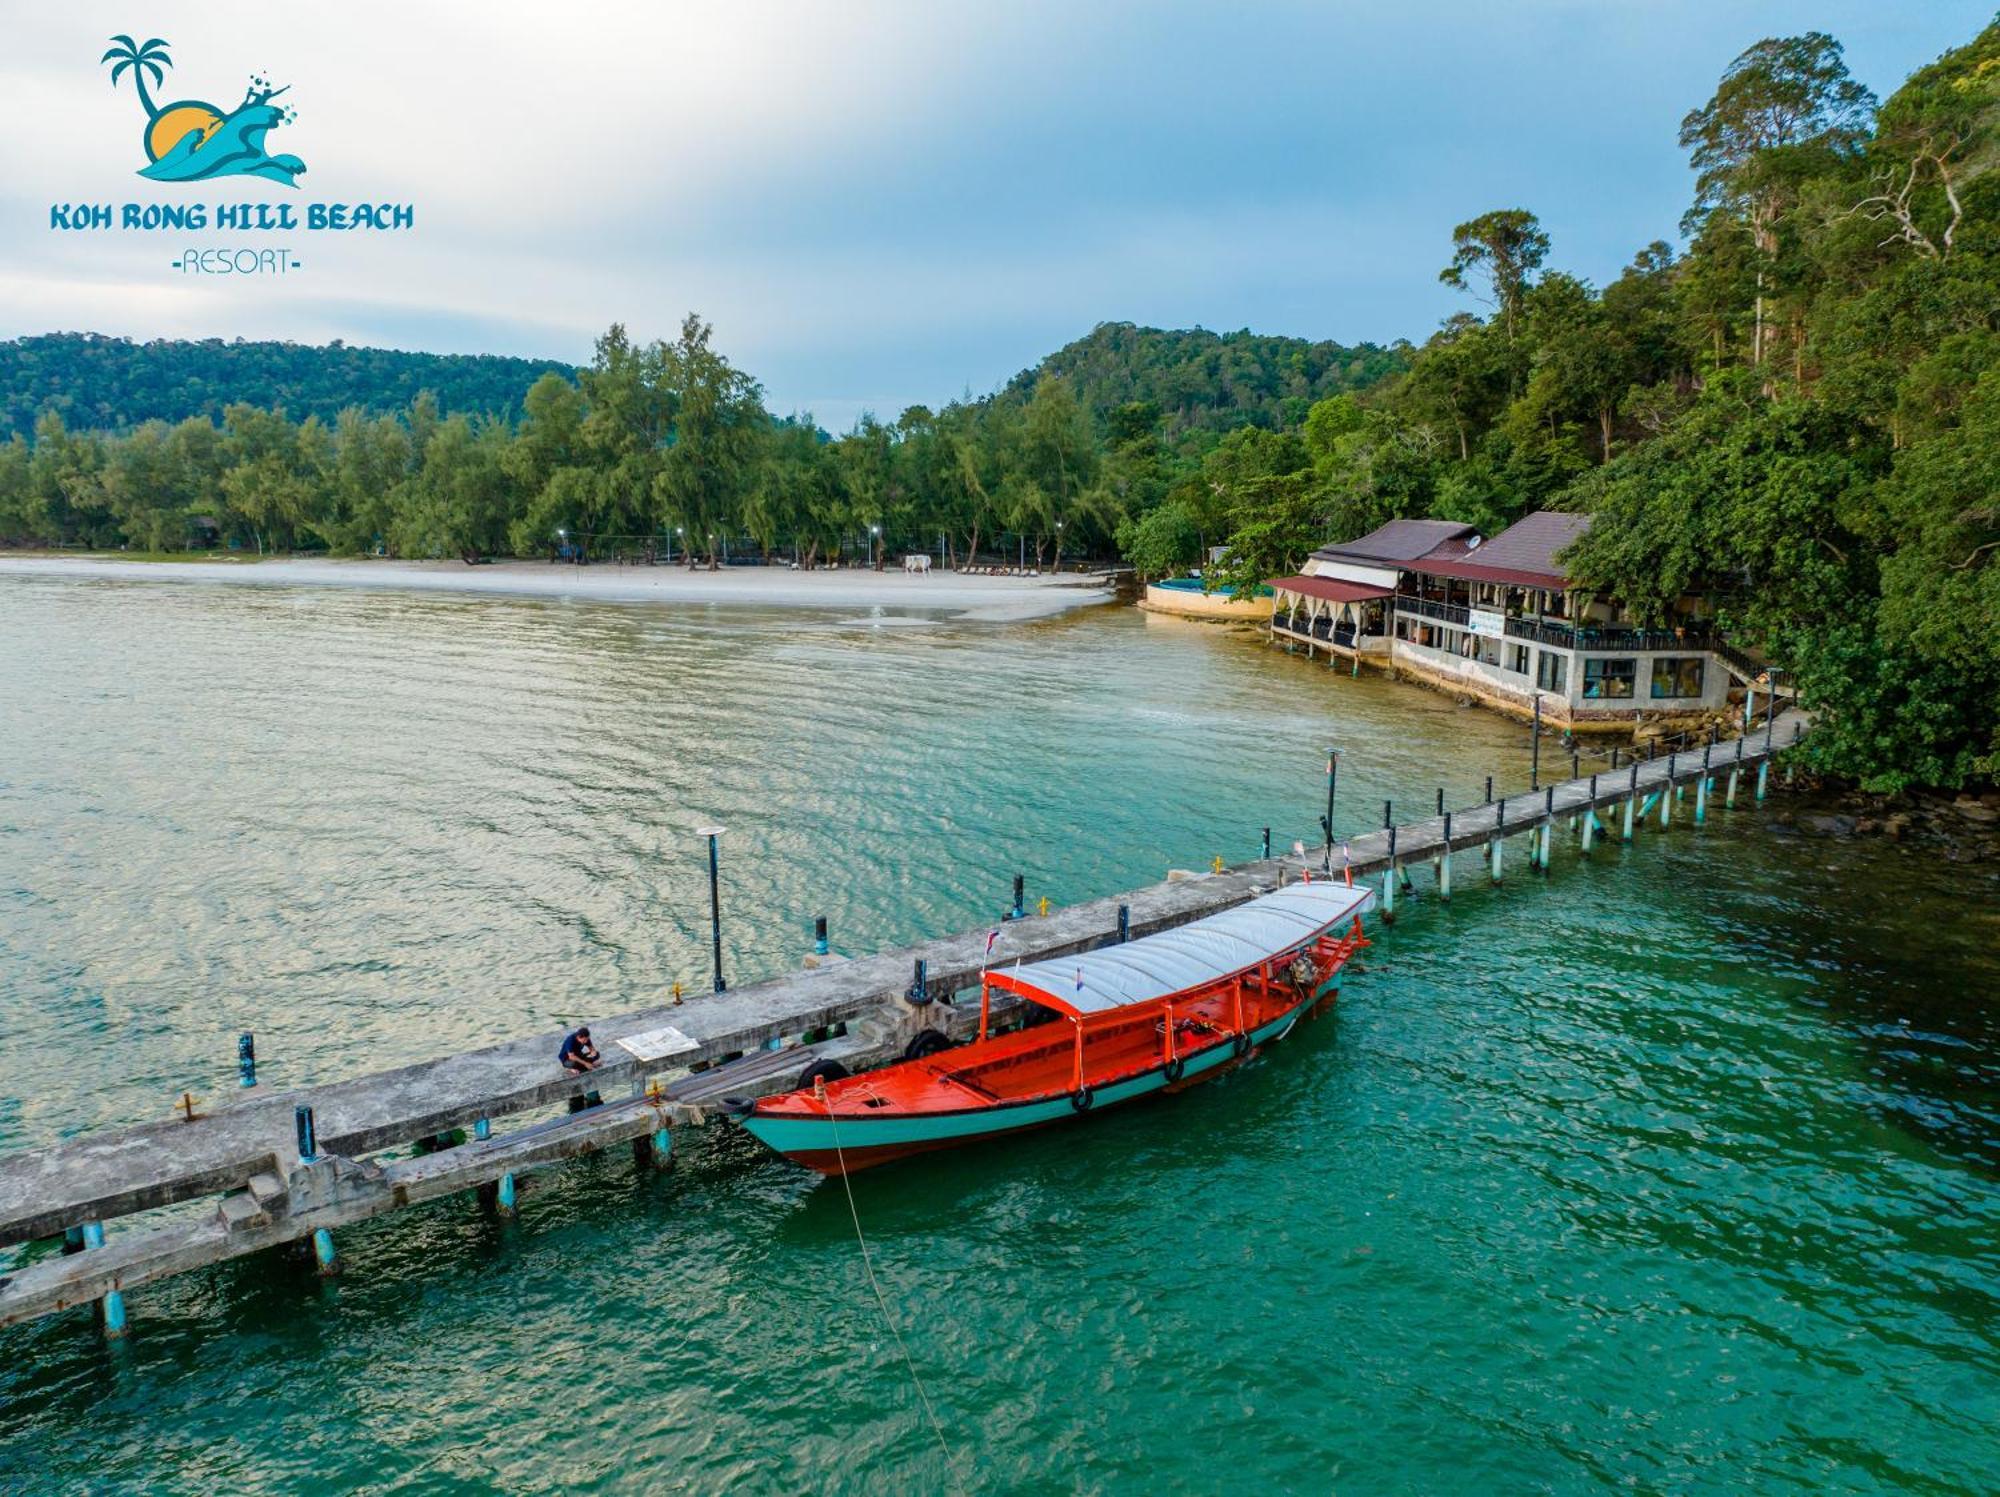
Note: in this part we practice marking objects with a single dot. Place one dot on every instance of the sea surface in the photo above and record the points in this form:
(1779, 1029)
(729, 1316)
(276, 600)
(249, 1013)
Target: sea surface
(1673, 1172)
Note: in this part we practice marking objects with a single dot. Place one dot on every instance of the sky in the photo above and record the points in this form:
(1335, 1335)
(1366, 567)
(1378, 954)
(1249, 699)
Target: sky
(877, 204)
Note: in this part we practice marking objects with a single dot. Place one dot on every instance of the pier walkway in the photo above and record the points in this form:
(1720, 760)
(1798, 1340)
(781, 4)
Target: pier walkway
(748, 1041)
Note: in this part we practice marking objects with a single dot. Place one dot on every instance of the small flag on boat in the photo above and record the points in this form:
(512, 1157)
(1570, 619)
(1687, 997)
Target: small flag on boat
(992, 936)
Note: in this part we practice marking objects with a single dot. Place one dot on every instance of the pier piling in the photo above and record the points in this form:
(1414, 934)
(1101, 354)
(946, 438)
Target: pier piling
(1589, 818)
(1667, 794)
(1499, 837)
(1389, 879)
(1444, 862)
(111, 1308)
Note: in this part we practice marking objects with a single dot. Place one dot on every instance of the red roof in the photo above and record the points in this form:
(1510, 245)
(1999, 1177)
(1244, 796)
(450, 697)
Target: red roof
(1332, 589)
(1522, 555)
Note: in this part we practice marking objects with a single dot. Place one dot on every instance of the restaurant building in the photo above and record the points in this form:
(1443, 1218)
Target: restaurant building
(1500, 621)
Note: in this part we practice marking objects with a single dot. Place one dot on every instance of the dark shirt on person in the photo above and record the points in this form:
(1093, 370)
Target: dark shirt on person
(577, 1053)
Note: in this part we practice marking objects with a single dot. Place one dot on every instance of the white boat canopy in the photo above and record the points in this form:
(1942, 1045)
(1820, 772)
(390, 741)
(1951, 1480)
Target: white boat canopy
(1194, 955)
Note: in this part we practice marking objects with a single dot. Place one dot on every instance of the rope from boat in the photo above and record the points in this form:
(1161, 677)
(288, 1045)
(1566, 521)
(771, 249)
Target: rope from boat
(868, 1263)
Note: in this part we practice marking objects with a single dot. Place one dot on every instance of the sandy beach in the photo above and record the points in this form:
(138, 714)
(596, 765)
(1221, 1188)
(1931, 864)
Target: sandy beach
(890, 593)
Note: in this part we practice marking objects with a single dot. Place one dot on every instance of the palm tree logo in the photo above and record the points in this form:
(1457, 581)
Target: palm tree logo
(191, 140)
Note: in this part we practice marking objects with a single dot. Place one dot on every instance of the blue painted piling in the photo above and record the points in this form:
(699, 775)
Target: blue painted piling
(110, 1309)
(1763, 777)
(1499, 838)
(819, 935)
(1444, 862)
(246, 1060)
(323, 1252)
(1389, 882)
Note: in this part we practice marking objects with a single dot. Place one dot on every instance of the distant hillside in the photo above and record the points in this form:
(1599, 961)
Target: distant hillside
(1208, 381)
(108, 384)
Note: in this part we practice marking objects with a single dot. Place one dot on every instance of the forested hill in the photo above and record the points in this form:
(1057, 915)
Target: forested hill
(1203, 381)
(98, 383)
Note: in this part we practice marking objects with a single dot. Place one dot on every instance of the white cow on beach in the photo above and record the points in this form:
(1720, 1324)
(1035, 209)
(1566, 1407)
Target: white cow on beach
(916, 563)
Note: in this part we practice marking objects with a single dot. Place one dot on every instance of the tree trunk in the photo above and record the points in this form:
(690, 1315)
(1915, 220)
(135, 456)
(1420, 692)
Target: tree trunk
(1604, 428)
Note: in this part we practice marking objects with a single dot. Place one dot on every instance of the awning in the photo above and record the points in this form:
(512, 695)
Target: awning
(1332, 589)
(1194, 955)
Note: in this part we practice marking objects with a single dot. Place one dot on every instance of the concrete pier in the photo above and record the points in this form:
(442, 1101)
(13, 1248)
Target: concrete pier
(291, 1166)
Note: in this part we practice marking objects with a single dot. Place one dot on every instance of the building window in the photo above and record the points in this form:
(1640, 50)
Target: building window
(1552, 672)
(1677, 676)
(1609, 676)
(1517, 659)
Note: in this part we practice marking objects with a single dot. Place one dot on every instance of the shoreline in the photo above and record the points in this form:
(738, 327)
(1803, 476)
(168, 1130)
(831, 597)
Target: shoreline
(980, 599)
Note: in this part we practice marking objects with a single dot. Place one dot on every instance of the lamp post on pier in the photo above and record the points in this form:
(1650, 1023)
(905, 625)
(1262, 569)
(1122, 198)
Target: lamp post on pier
(714, 835)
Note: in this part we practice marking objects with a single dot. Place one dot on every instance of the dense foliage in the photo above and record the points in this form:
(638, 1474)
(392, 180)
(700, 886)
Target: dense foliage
(97, 383)
(1203, 382)
(661, 444)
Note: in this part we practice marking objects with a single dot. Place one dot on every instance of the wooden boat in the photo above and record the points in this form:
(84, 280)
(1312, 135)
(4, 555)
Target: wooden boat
(1150, 1015)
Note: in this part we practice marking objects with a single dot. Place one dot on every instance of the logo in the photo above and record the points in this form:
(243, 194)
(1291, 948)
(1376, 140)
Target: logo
(191, 140)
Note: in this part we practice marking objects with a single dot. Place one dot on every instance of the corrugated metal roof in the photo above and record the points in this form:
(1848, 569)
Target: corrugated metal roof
(1194, 955)
(1399, 540)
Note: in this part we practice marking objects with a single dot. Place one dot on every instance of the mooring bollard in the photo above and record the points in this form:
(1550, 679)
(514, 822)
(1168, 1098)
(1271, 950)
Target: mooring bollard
(1389, 877)
(1267, 844)
(1489, 790)
(1124, 923)
(1499, 836)
(1444, 862)
(246, 1060)
(920, 988)
(1020, 910)
(302, 1120)
(820, 947)
(110, 1309)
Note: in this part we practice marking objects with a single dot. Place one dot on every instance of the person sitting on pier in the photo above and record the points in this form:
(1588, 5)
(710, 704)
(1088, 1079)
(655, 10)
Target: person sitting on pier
(578, 1056)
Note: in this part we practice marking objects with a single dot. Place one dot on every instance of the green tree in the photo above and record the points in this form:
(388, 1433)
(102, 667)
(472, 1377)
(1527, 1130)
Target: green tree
(1505, 247)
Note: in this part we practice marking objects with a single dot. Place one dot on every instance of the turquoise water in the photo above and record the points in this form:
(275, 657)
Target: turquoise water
(1674, 1173)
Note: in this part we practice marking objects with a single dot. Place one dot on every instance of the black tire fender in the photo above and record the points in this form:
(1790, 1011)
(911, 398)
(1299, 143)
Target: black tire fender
(821, 1070)
(1083, 1100)
(925, 1042)
(1243, 1045)
(1176, 1068)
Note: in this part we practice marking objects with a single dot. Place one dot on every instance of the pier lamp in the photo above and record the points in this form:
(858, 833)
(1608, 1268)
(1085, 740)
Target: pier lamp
(1058, 566)
(873, 532)
(714, 835)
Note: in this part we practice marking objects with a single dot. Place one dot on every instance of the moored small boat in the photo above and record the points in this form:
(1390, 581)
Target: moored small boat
(1149, 1015)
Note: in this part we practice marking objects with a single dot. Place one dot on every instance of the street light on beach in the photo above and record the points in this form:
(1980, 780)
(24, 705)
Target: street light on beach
(873, 531)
